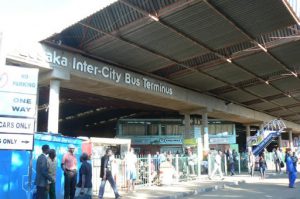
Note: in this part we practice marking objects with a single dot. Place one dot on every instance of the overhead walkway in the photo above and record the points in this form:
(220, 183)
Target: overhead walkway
(272, 130)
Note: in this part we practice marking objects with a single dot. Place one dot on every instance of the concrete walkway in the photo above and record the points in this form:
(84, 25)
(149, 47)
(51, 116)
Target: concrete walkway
(182, 189)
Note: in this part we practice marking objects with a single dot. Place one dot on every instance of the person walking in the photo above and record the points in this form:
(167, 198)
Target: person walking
(290, 168)
(231, 159)
(156, 160)
(130, 163)
(52, 164)
(217, 166)
(84, 186)
(69, 166)
(251, 162)
(42, 174)
(262, 165)
(105, 174)
(277, 160)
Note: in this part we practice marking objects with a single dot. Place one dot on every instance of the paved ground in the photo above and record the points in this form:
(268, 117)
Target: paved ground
(240, 186)
(272, 188)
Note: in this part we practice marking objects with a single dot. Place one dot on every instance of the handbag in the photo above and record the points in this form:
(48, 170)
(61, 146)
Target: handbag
(281, 164)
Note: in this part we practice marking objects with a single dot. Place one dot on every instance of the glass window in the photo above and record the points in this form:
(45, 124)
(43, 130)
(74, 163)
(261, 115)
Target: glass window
(133, 129)
(152, 129)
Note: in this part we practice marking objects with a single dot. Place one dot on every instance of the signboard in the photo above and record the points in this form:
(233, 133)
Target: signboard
(230, 139)
(18, 90)
(158, 140)
(18, 80)
(16, 141)
(16, 125)
(15, 104)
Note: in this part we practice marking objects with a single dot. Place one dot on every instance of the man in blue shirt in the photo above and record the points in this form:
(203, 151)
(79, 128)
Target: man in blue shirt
(291, 169)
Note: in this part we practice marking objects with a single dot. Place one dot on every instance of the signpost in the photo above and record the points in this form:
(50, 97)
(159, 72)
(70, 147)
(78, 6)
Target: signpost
(18, 91)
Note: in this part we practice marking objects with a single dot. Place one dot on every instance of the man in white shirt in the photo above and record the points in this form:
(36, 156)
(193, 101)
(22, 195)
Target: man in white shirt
(217, 166)
(130, 161)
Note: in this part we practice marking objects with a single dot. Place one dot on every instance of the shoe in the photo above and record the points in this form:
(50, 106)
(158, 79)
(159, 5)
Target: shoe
(209, 178)
(118, 197)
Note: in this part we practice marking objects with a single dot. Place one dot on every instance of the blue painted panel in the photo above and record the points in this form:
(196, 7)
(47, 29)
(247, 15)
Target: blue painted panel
(14, 166)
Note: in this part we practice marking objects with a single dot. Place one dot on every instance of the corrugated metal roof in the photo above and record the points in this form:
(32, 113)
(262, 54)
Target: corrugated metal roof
(170, 43)
(263, 90)
(287, 84)
(288, 54)
(239, 96)
(123, 53)
(262, 106)
(229, 73)
(256, 16)
(201, 23)
(126, 35)
(199, 81)
(259, 63)
(152, 6)
(285, 101)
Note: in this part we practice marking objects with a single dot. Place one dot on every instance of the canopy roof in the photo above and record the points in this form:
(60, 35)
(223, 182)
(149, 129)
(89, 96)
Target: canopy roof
(245, 52)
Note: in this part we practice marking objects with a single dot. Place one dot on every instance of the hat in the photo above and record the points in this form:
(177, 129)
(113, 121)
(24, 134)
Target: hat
(71, 146)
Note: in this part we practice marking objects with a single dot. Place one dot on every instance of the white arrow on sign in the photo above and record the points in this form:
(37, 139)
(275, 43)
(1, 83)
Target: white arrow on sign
(16, 141)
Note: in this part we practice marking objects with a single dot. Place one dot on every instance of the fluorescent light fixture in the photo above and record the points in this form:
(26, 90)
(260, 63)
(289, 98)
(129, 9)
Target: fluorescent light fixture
(295, 74)
(228, 60)
(155, 18)
(263, 48)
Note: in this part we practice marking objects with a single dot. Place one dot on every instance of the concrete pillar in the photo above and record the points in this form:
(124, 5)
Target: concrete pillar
(291, 139)
(187, 126)
(280, 141)
(261, 127)
(205, 131)
(53, 112)
(248, 131)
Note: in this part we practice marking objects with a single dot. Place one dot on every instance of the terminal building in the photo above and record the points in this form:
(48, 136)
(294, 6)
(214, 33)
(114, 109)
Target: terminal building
(167, 75)
(168, 62)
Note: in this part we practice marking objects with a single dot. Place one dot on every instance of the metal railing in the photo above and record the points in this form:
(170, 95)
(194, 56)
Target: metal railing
(152, 171)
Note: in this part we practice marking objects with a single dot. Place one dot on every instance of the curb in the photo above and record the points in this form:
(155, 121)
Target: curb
(203, 190)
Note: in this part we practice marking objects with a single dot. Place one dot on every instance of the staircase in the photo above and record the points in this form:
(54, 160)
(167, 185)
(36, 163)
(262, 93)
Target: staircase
(262, 145)
(272, 130)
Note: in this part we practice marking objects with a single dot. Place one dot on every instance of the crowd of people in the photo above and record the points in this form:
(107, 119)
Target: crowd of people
(164, 162)
(46, 166)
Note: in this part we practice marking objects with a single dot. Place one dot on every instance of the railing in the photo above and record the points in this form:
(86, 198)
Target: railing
(177, 168)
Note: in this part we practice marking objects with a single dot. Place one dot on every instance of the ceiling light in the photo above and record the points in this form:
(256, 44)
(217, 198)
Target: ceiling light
(155, 18)
(228, 60)
(263, 48)
(295, 74)
(267, 82)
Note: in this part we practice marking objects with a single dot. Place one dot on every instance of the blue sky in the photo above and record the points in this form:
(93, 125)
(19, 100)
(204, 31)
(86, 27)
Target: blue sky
(34, 20)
